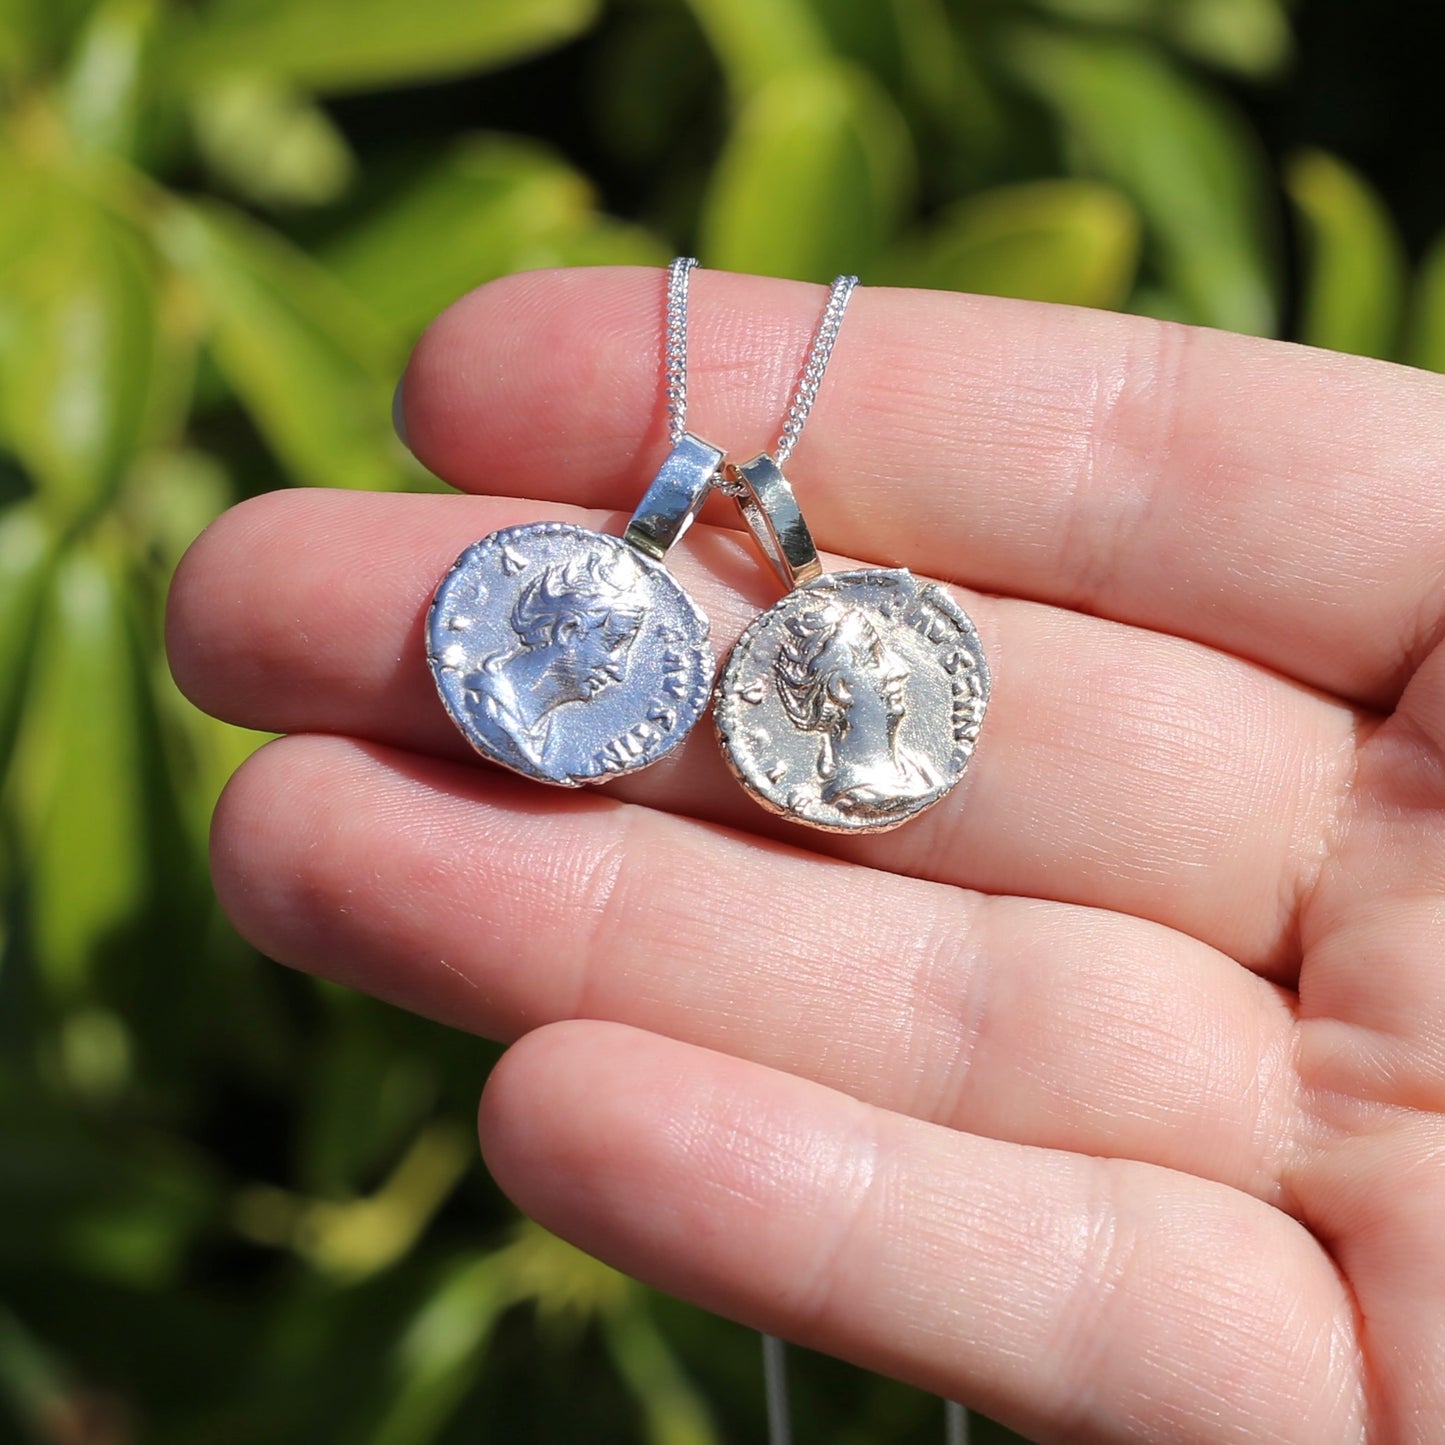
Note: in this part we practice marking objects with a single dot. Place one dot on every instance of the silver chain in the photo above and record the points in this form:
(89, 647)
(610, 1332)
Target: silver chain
(829, 324)
(679, 274)
(675, 347)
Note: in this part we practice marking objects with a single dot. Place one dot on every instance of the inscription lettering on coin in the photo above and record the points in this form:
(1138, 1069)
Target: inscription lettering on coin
(566, 655)
(854, 703)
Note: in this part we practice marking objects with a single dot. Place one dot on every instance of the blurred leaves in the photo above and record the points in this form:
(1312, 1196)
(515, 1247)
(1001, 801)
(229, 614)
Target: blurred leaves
(1075, 242)
(77, 347)
(1427, 332)
(314, 366)
(1183, 157)
(105, 89)
(335, 45)
(760, 40)
(43, 1396)
(27, 549)
(38, 33)
(1248, 36)
(442, 1351)
(1355, 267)
(273, 144)
(490, 206)
(675, 1412)
(237, 1205)
(353, 1238)
(80, 774)
(813, 178)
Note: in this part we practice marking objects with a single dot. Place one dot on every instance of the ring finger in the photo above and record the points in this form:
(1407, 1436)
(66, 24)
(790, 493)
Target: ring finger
(461, 894)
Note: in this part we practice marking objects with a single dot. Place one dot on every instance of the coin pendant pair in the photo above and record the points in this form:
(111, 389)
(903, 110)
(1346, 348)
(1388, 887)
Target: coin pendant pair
(572, 656)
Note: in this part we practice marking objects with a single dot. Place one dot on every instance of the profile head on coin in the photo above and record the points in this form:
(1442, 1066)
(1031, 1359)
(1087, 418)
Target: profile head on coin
(566, 655)
(837, 678)
(574, 623)
(854, 703)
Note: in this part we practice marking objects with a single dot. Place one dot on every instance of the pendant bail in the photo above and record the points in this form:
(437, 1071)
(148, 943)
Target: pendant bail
(770, 509)
(674, 497)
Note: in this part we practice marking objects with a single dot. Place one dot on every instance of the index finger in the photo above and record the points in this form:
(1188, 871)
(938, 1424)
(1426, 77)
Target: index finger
(1264, 498)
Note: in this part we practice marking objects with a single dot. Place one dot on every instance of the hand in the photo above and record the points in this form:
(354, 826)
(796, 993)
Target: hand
(1107, 1095)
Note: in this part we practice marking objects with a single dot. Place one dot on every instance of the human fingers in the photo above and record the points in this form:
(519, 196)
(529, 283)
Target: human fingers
(1255, 496)
(463, 895)
(1373, 992)
(1117, 768)
(1073, 1298)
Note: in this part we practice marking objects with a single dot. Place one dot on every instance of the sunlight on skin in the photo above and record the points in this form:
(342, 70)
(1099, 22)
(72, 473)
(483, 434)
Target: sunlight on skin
(1106, 1097)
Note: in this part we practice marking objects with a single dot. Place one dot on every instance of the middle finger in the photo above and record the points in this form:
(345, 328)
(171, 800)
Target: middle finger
(1117, 768)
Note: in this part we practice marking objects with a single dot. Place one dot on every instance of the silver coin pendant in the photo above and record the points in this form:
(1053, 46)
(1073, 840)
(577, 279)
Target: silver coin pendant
(854, 703)
(567, 655)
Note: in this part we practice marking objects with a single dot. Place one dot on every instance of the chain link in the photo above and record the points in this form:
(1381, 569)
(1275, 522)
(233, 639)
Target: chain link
(675, 346)
(817, 364)
(679, 273)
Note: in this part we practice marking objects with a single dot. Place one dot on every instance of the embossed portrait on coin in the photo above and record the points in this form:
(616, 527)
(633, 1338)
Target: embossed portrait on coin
(838, 678)
(575, 623)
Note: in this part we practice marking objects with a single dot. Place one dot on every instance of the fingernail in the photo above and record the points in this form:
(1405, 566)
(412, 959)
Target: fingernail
(398, 411)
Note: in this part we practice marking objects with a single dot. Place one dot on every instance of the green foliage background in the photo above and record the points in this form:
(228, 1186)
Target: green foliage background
(236, 1206)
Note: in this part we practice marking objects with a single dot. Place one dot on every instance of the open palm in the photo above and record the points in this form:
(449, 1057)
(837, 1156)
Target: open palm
(1107, 1096)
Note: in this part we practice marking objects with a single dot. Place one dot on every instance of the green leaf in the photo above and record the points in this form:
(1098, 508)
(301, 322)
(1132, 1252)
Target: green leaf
(170, 497)
(813, 178)
(1075, 242)
(34, 34)
(928, 43)
(1426, 340)
(602, 241)
(490, 206)
(271, 143)
(1355, 264)
(1251, 37)
(123, 1204)
(105, 88)
(567, 1285)
(1184, 157)
(14, 52)
(142, 1237)
(34, 1382)
(345, 1135)
(314, 366)
(944, 72)
(79, 777)
(441, 1352)
(675, 1410)
(77, 349)
(23, 218)
(27, 553)
(352, 1238)
(657, 68)
(340, 45)
(756, 41)
(1100, 12)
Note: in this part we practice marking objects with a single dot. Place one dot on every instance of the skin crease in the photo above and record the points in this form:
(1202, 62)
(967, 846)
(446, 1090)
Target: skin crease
(1105, 1097)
